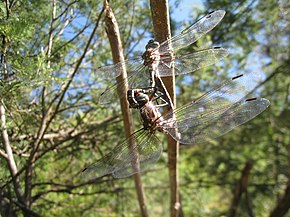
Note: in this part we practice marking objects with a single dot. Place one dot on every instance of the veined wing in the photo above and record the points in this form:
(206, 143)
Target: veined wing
(183, 39)
(199, 128)
(122, 161)
(109, 72)
(138, 78)
(182, 65)
(190, 62)
(193, 32)
(216, 101)
(149, 150)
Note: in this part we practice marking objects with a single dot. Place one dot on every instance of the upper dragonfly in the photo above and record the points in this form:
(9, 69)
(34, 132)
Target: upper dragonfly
(160, 59)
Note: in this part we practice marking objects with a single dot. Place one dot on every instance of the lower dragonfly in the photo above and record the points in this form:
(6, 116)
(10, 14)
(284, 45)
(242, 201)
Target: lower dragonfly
(213, 114)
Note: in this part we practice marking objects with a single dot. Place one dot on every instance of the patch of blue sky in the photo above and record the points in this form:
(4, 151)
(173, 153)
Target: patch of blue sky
(185, 9)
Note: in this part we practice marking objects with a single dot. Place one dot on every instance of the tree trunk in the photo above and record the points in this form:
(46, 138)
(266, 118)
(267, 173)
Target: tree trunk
(161, 24)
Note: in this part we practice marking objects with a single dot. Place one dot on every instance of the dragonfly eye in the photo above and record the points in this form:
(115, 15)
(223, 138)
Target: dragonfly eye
(142, 98)
(152, 44)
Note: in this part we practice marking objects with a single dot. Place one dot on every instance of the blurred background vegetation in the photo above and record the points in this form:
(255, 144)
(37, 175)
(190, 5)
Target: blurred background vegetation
(55, 126)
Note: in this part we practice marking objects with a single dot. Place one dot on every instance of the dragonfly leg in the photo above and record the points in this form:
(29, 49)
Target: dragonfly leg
(152, 78)
(161, 97)
(161, 87)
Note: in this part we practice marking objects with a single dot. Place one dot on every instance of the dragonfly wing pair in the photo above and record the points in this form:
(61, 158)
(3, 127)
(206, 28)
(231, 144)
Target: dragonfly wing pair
(182, 65)
(191, 62)
(216, 112)
(123, 161)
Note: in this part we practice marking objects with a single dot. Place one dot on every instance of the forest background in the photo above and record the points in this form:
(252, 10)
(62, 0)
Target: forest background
(52, 125)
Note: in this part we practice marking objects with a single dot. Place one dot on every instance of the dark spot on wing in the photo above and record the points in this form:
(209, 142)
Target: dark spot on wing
(238, 76)
(250, 99)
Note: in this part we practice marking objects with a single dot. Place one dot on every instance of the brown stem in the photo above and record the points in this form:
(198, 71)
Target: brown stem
(161, 24)
(113, 33)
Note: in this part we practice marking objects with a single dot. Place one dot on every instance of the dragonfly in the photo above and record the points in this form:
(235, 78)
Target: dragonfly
(211, 115)
(160, 59)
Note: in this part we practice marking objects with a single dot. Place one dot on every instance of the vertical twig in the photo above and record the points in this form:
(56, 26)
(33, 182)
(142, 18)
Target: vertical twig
(161, 23)
(113, 33)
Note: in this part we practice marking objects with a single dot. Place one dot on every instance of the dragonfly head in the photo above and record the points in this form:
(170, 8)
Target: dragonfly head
(142, 98)
(137, 100)
(152, 44)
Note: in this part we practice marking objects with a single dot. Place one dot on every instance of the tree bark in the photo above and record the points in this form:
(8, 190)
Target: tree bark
(113, 33)
(161, 24)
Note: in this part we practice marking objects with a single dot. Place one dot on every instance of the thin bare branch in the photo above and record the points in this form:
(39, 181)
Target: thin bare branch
(113, 33)
(4, 155)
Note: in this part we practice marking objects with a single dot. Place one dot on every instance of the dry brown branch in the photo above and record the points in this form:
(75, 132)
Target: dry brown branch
(113, 33)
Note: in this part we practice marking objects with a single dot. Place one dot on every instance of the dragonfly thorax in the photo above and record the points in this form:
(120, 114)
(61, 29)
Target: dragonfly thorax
(150, 115)
(151, 56)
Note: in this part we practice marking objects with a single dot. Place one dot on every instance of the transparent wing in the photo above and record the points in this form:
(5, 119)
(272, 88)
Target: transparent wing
(138, 78)
(183, 39)
(193, 32)
(110, 72)
(182, 65)
(149, 149)
(213, 103)
(122, 161)
(191, 62)
(198, 129)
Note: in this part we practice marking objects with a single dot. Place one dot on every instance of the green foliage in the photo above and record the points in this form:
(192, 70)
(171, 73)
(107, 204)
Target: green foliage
(81, 131)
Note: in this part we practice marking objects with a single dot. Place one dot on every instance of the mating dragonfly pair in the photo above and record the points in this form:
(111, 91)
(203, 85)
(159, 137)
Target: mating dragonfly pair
(210, 116)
